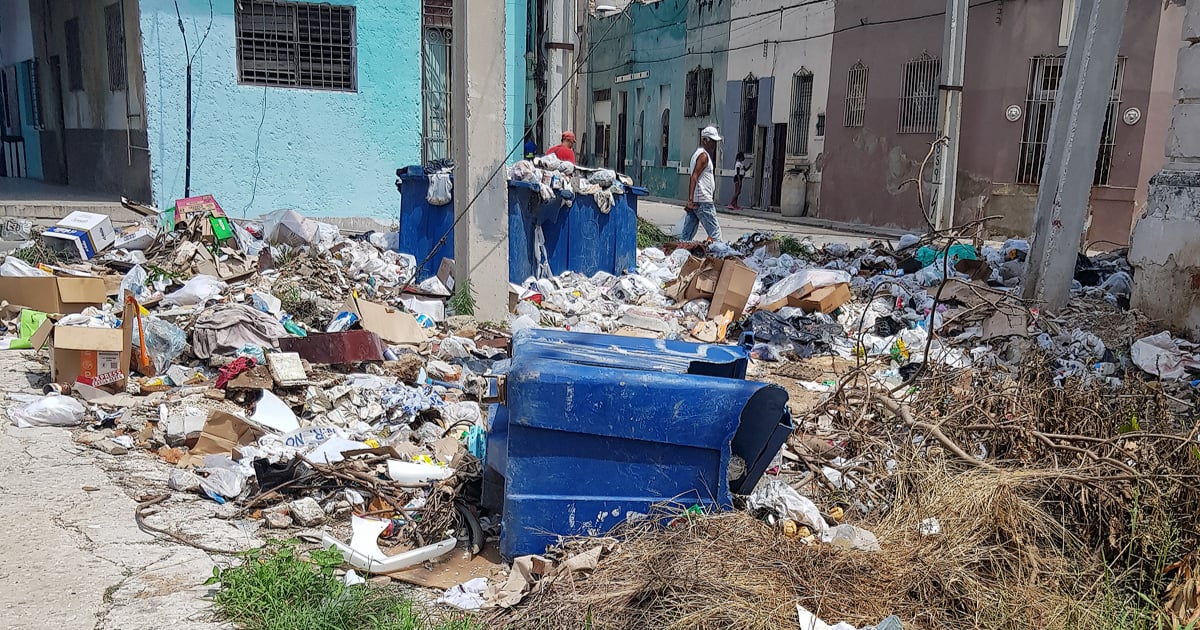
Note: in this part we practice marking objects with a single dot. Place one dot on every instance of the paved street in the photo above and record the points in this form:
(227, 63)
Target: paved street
(735, 224)
(74, 557)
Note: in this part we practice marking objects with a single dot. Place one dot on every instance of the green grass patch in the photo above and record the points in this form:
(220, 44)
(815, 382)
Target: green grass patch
(277, 589)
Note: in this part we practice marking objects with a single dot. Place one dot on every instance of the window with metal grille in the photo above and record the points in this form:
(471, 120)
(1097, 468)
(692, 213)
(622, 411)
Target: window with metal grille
(1045, 79)
(600, 96)
(919, 95)
(74, 55)
(33, 96)
(296, 44)
(820, 125)
(749, 121)
(664, 140)
(802, 93)
(437, 42)
(689, 97)
(114, 28)
(704, 92)
(856, 96)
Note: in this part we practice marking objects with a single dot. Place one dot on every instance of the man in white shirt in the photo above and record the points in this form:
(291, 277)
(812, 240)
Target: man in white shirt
(701, 188)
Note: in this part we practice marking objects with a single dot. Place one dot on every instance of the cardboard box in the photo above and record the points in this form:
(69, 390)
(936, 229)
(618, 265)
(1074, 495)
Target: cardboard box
(223, 434)
(392, 325)
(98, 357)
(727, 283)
(733, 289)
(826, 299)
(136, 237)
(83, 233)
(54, 295)
(202, 206)
(795, 299)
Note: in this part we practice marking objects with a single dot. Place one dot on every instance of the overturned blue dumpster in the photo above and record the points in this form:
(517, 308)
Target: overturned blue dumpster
(597, 429)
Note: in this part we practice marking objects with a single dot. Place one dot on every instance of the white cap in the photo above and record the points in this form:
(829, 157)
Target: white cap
(710, 133)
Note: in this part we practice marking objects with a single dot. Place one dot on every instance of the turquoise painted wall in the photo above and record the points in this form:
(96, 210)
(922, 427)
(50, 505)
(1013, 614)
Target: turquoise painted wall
(258, 149)
(514, 47)
(665, 39)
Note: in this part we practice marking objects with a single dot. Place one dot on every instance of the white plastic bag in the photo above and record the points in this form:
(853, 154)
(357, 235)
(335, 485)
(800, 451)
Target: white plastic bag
(678, 229)
(816, 277)
(17, 268)
(134, 283)
(51, 410)
(440, 190)
(199, 290)
(223, 477)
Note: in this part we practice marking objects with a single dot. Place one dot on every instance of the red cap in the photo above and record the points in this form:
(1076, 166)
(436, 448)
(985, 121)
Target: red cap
(568, 135)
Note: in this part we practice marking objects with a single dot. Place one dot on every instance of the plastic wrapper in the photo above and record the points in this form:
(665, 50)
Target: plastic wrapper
(17, 268)
(223, 477)
(51, 410)
(199, 290)
(164, 341)
(134, 283)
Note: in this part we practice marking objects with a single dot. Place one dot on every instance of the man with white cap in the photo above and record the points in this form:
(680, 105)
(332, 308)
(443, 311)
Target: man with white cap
(702, 188)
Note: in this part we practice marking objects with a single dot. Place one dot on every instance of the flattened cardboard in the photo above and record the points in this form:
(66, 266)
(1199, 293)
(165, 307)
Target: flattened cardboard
(54, 295)
(827, 299)
(733, 289)
(445, 273)
(223, 434)
(392, 325)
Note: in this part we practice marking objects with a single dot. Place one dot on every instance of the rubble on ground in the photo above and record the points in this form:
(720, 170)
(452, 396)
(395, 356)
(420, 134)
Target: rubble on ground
(951, 440)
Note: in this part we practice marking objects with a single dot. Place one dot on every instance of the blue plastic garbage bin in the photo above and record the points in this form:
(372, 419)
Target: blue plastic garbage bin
(759, 431)
(527, 215)
(422, 224)
(604, 242)
(592, 446)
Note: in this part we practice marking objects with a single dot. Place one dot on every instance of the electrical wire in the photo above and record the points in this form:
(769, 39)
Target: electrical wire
(839, 31)
(519, 145)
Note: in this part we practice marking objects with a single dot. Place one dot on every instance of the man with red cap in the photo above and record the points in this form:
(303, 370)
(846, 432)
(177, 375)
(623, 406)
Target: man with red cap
(566, 150)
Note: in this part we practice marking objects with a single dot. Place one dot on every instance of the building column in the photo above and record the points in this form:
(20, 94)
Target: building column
(1165, 249)
(560, 59)
(480, 177)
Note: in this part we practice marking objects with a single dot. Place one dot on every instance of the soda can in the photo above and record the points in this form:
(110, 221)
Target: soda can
(390, 355)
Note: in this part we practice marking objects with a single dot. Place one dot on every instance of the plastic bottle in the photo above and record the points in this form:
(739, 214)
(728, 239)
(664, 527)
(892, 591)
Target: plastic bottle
(291, 326)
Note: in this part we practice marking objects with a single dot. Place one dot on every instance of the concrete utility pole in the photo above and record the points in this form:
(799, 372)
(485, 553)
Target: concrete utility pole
(1079, 113)
(954, 62)
(481, 236)
(1165, 251)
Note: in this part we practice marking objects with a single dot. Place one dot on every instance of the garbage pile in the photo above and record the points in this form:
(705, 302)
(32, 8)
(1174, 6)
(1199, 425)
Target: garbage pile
(953, 445)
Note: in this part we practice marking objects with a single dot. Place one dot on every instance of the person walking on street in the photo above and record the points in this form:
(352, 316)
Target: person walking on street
(701, 188)
(739, 173)
(566, 150)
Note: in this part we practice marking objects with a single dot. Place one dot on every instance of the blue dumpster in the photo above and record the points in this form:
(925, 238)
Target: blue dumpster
(422, 225)
(679, 373)
(578, 238)
(592, 446)
(656, 355)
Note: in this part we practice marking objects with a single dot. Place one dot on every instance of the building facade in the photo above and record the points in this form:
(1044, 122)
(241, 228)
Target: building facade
(776, 91)
(883, 105)
(654, 77)
(303, 105)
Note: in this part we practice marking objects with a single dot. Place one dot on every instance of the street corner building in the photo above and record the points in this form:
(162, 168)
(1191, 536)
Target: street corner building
(303, 105)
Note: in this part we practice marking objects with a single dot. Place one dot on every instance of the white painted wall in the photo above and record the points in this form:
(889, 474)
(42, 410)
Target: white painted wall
(812, 23)
(16, 38)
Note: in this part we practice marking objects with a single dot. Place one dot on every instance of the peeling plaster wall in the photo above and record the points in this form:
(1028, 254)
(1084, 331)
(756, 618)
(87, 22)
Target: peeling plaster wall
(867, 167)
(256, 149)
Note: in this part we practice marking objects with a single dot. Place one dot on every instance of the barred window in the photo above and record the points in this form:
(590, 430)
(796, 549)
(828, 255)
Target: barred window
(704, 91)
(919, 95)
(114, 29)
(802, 95)
(856, 96)
(1045, 81)
(689, 97)
(296, 44)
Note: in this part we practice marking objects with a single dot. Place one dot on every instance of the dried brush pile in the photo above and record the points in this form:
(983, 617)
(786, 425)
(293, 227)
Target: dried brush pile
(1059, 507)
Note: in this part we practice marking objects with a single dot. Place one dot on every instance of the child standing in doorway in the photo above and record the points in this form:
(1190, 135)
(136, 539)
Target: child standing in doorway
(739, 173)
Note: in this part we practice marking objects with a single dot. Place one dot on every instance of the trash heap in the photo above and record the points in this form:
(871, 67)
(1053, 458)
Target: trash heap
(953, 446)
